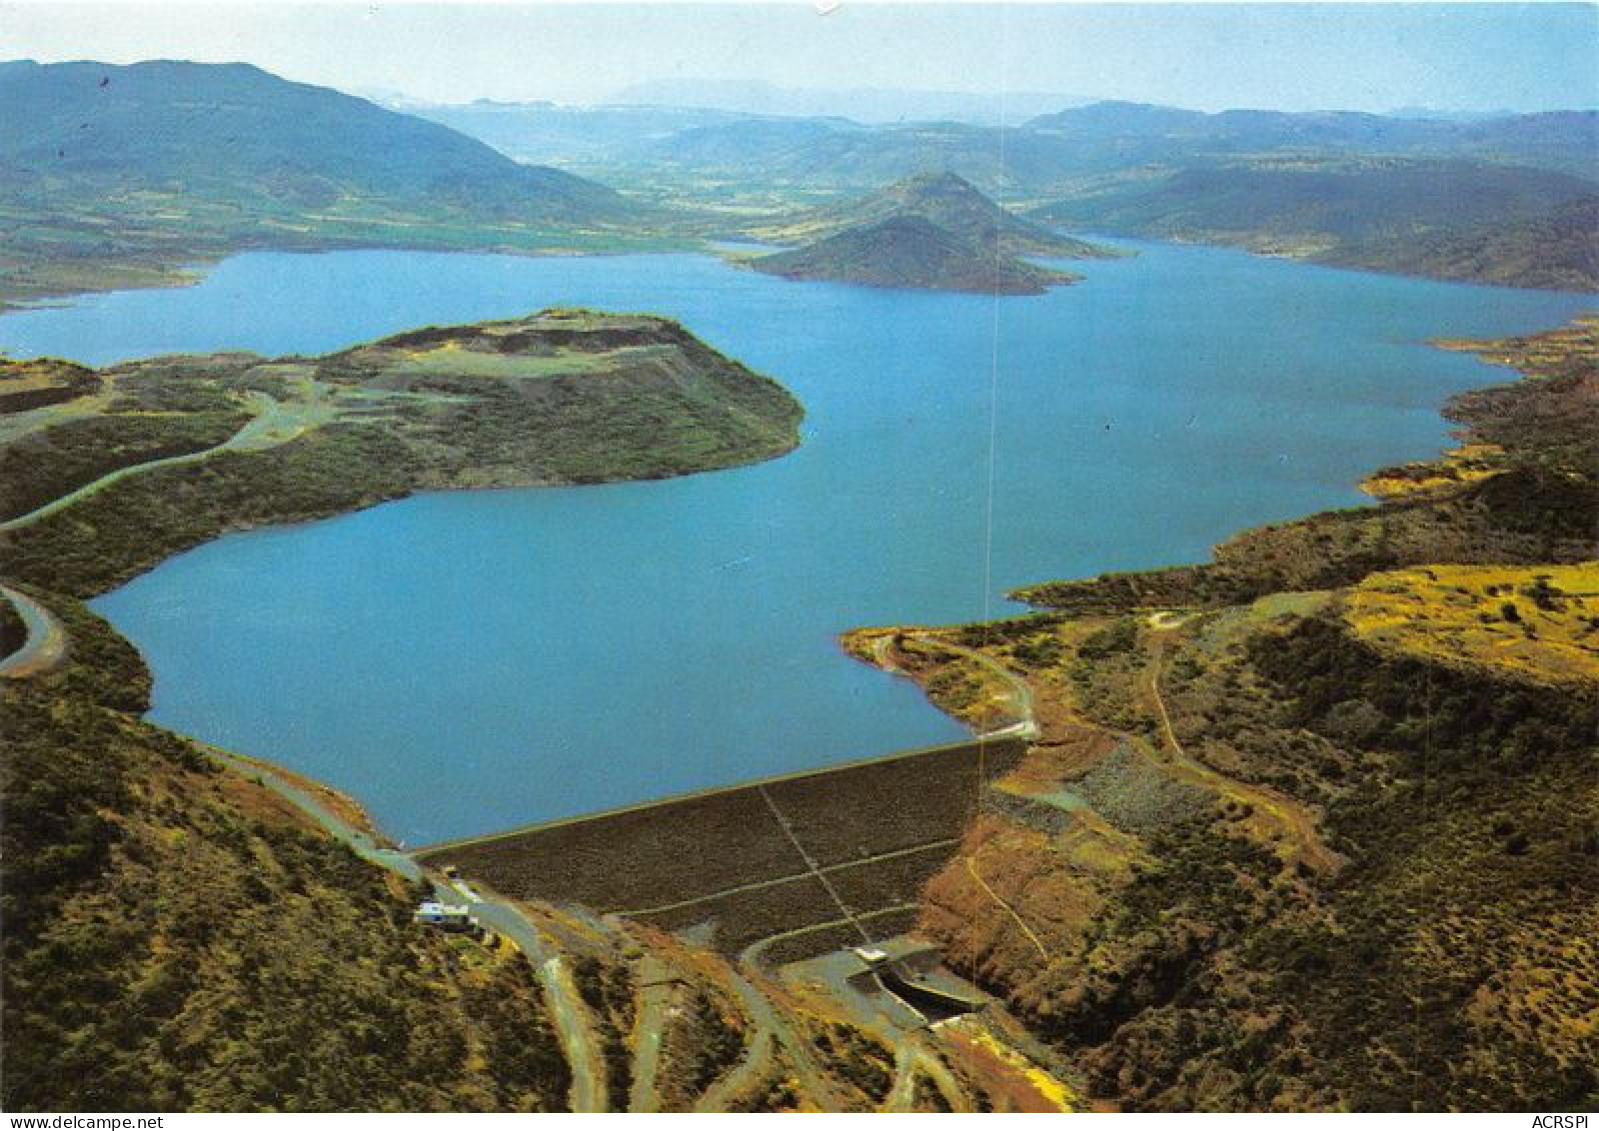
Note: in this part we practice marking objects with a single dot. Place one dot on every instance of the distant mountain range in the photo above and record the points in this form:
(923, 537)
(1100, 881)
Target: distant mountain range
(569, 135)
(872, 105)
(1553, 140)
(846, 149)
(117, 176)
(1476, 199)
(1053, 152)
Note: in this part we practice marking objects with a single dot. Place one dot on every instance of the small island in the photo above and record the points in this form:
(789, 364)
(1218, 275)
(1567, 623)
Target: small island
(911, 253)
(929, 232)
(107, 472)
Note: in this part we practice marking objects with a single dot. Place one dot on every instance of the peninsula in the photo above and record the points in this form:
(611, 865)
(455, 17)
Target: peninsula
(1235, 804)
(125, 466)
(248, 938)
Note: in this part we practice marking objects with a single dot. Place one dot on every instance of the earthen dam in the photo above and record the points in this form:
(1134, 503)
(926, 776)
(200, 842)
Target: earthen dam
(783, 868)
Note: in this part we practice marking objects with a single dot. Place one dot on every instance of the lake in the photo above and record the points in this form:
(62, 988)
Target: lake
(463, 662)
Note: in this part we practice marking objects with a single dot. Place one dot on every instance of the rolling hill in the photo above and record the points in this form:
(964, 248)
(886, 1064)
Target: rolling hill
(1563, 140)
(112, 171)
(1558, 250)
(1455, 220)
(1052, 153)
(224, 130)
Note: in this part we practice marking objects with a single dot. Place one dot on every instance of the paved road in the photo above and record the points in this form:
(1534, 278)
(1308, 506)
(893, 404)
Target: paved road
(912, 1059)
(903, 1094)
(568, 1014)
(754, 1067)
(273, 424)
(943, 1079)
(795, 1045)
(754, 955)
(576, 1033)
(1021, 695)
(658, 997)
(361, 843)
(46, 645)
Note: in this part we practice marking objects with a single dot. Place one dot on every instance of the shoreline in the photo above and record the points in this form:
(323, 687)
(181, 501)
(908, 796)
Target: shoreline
(191, 271)
(1484, 351)
(335, 478)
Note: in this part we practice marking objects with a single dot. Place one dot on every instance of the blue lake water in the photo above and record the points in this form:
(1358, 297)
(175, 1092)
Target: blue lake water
(463, 662)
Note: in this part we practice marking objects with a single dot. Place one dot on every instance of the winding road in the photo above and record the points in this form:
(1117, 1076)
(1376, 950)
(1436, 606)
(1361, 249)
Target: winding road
(1295, 821)
(1025, 725)
(658, 998)
(46, 645)
(274, 423)
(568, 1014)
(768, 1021)
(749, 1071)
(912, 1059)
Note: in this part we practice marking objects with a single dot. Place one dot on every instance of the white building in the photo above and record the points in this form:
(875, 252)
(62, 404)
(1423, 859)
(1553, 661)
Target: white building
(445, 916)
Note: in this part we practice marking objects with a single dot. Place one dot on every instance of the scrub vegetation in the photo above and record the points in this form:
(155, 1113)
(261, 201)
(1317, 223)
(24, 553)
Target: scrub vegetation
(1315, 828)
(177, 938)
(1309, 826)
(565, 396)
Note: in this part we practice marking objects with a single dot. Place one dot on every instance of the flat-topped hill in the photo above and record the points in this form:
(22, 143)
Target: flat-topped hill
(911, 252)
(144, 458)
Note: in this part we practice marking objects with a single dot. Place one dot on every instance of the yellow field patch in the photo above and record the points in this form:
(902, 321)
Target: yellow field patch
(1047, 1093)
(1537, 622)
(451, 360)
(1469, 463)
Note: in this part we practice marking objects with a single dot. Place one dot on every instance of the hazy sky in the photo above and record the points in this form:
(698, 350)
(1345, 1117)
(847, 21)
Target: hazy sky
(1207, 56)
